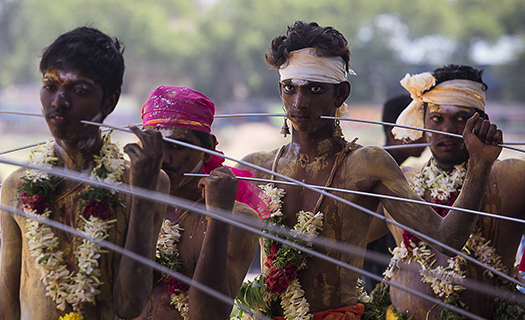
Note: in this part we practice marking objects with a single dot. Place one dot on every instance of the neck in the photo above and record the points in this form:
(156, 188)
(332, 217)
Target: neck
(447, 167)
(78, 155)
(315, 145)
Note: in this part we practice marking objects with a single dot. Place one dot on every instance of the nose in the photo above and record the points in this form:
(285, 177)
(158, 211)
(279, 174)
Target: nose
(301, 100)
(60, 100)
(449, 126)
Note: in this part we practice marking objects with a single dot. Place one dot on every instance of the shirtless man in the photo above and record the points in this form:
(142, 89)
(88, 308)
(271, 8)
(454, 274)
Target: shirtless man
(208, 250)
(313, 62)
(50, 274)
(458, 93)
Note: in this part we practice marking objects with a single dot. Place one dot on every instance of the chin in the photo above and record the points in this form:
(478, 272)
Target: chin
(452, 159)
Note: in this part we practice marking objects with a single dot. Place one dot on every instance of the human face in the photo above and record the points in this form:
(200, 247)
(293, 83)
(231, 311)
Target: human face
(306, 101)
(448, 151)
(68, 97)
(179, 159)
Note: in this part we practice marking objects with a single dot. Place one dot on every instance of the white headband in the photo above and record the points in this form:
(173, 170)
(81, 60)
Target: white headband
(305, 64)
(464, 93)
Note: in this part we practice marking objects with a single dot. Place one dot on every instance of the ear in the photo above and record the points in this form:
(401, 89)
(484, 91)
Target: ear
(343, 92)
(212, 142)
(110, 103)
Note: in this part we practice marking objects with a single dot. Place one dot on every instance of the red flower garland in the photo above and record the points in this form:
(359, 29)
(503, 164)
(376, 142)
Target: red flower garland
(278, 279)
(35, 203)
(97, 209)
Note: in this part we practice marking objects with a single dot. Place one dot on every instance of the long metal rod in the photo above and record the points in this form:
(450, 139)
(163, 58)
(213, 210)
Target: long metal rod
(376, 195)
(329, 195)
(406, 146)
(504, 145)
(236, 115)
(145, 193)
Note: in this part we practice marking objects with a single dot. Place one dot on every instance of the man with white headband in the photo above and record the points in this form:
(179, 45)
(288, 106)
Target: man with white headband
(313, 62)
(443, 101)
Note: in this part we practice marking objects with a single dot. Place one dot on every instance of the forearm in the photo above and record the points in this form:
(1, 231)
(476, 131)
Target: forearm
(457, 226)
(211, 271)
(134, 279)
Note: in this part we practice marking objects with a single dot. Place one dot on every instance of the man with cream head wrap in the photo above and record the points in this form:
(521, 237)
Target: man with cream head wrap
(443, 101)
(313, 62)
(207, 250)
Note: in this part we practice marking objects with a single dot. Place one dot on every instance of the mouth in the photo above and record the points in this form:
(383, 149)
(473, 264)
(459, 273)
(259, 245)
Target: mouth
(301, 117)
(57, 118)
(449, 144)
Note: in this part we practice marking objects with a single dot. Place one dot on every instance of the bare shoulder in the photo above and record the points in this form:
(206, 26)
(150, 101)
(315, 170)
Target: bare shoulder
(509, 173)
(370, 159)
(261, 159)
(10, 186)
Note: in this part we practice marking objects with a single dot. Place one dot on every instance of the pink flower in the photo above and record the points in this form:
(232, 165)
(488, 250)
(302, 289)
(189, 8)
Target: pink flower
(97, 209)
(35, 203)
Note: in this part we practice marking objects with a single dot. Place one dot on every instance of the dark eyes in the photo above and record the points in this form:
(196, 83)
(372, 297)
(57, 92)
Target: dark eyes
(313, 89)
(440, 118)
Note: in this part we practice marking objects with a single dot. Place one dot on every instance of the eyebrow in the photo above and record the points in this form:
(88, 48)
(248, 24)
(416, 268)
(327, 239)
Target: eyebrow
(76, 81)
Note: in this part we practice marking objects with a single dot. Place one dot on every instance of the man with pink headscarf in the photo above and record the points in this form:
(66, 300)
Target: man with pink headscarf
(207, 250)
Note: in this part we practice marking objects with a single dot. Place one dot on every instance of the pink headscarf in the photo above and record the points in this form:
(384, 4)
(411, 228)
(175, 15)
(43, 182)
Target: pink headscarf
(187, 108)
(178, 107)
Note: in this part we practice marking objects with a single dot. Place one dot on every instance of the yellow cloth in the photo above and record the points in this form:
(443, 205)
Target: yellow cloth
(464, 93)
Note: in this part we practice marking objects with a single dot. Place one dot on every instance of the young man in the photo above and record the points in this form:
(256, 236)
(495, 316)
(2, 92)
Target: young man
(207, 250)
(313, 62)
(458, 93)
(50, 274)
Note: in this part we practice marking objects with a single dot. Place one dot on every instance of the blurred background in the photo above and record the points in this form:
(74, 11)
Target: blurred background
(217, 47)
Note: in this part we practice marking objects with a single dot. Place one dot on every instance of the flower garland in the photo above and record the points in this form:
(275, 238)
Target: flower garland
(444, 281)
(37, 194)
(167, 254)
(283, 263)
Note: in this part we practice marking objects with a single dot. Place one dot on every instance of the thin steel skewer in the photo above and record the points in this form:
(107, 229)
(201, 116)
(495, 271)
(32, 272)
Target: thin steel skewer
(503, 145)
(376, 195)
(404, 146)
(327, 194)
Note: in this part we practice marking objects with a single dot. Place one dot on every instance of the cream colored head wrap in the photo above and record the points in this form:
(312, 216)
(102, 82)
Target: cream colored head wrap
(305, 64)
(464, 93)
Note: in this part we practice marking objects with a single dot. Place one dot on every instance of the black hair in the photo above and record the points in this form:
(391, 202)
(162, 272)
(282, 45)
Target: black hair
(203, 138)
(91, 52)
(393, 108)
(327, 40)
(458, 72)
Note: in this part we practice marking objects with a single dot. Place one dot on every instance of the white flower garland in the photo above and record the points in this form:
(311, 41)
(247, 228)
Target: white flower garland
(444, 281)
(61, 284)
(440, 183)
(167, 242)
